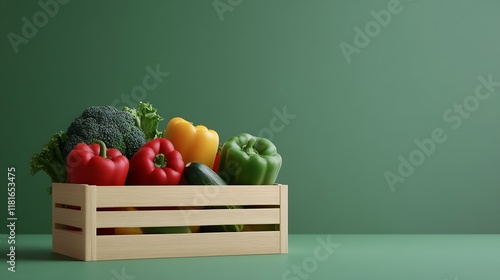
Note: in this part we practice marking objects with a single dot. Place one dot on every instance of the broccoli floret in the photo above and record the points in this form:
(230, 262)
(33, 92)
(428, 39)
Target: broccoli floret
(115, 128)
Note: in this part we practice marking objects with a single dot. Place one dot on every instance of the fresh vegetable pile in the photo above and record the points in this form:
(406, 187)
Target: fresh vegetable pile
(105, 146)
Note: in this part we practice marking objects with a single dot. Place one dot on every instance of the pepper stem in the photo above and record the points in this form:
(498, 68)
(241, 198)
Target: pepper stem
(102, 148)
(160, 161)
(249, 146)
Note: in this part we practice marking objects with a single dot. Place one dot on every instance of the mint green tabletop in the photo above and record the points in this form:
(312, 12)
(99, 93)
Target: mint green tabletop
(366, 257)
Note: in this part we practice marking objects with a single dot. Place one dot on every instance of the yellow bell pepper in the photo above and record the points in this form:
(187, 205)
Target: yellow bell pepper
(125, 231)
(194, 143)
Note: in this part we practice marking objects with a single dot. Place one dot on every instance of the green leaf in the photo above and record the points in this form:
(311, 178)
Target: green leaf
(50, 159)
(146, 118)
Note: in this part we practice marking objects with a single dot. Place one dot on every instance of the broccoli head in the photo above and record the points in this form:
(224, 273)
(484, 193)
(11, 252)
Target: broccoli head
(115, 128)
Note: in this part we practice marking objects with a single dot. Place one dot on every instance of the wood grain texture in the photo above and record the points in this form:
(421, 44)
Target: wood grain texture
(68, 243)
(144, 196)
(71, 194)
(284, 219)
(203, 217)
(69, 217)
(187, 245)
(89, 229)
(86, 245)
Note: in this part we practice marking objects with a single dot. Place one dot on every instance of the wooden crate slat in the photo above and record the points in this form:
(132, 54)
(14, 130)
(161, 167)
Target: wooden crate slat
(68, 243)
(187, 245)
(71, 194)
(144, 196)
(187, 217)
(69, 217)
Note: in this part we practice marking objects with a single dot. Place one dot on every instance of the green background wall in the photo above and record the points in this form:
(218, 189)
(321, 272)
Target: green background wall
(233, 73)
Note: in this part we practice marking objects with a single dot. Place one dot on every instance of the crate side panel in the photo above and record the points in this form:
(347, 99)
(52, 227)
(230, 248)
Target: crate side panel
(203, 217)
(68, 243)
(71, 194)
(144, 196)
(187, 245)
(68, 217)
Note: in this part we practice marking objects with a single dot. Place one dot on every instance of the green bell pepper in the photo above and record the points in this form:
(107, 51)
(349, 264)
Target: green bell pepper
(249, 160)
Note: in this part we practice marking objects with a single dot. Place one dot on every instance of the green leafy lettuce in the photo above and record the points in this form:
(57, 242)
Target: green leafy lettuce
(147, 119)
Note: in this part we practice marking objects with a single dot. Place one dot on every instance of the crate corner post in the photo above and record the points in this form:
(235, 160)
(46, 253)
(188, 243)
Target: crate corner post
(89, 230)
(283, 219)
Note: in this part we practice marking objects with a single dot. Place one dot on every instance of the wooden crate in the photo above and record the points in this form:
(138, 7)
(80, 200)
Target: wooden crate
(79, 210)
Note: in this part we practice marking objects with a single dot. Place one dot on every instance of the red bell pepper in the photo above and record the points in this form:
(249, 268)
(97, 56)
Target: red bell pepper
(217, 160)
(156, 163)
(216, 163)
(96, 165)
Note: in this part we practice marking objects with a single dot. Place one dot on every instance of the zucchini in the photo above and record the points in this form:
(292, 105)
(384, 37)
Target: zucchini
(196, 173)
